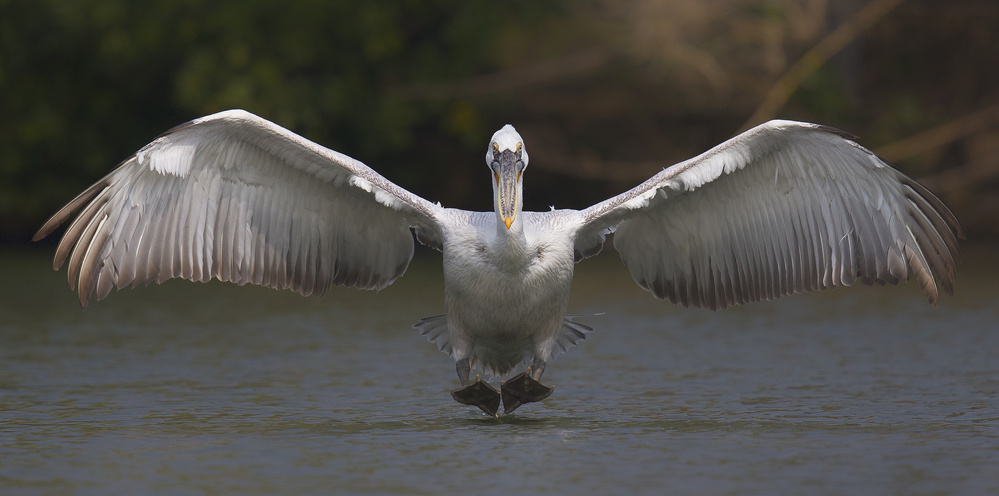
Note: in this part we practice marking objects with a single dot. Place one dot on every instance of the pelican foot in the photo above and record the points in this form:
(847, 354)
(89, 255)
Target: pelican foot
(478, 394)
(522, 388)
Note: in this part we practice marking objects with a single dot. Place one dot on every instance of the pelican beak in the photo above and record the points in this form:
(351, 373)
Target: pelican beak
(506, 172)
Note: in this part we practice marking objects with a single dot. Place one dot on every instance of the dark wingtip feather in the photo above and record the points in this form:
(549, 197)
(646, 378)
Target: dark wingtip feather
(67, 211)
(838, 132)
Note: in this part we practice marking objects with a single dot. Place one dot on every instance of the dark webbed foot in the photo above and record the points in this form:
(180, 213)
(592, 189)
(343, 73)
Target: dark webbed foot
(478, 394)
(522, 388)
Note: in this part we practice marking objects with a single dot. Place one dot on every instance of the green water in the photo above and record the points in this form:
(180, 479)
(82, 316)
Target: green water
(191, 388)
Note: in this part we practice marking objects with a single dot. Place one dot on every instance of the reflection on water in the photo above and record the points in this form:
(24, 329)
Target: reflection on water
(225, 389)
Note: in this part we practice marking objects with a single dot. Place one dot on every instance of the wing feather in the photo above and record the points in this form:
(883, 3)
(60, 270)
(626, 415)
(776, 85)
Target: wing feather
(235, 197)
(784, 208)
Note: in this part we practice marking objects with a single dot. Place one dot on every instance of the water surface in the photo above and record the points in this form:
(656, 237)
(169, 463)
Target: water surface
(215, 388)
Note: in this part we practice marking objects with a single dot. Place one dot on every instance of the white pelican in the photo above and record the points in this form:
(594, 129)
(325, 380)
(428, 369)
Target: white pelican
(783, 208)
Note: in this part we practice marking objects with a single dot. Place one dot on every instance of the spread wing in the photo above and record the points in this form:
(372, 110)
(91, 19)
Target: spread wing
(241, 199)
(783, 208)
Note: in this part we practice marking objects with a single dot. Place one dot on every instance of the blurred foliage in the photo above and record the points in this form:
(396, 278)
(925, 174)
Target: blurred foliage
(605, 92)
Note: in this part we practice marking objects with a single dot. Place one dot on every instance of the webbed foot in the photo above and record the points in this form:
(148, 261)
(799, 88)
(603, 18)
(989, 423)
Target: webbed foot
(478, 394)
(522, 388)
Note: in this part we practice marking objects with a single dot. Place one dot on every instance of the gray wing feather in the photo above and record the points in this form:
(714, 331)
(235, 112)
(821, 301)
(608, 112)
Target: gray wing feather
(784, 208)
(235, 197)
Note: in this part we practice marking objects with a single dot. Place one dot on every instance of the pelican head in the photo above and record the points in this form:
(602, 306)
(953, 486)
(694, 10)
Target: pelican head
(507, 158)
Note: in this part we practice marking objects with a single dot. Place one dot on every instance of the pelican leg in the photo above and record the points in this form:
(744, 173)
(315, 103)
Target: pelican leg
(525, 387)
(478, 393)
(464, 367)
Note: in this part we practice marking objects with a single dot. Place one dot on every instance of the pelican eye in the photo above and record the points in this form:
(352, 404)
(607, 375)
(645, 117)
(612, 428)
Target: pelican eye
(495, 149)
(520, 148)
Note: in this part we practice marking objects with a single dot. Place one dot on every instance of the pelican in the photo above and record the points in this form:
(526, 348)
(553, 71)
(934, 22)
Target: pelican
(783, 208)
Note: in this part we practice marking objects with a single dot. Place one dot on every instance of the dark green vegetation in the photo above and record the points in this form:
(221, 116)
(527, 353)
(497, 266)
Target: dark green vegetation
(605, 93)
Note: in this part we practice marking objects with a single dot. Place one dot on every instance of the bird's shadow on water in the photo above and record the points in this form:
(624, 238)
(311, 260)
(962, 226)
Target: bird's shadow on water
(536, 422)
